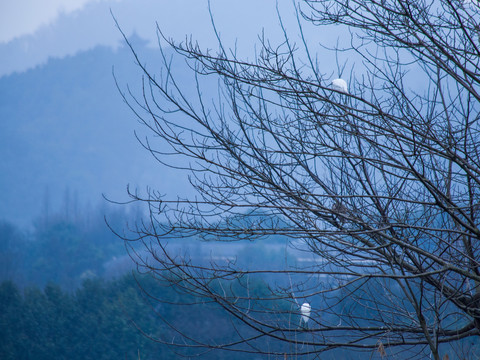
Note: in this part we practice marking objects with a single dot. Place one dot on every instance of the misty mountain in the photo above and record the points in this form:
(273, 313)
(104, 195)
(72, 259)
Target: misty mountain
(65, 133)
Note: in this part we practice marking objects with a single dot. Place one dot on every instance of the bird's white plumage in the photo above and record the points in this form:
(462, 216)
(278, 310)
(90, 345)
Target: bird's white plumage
(305, 312)
(340, 85)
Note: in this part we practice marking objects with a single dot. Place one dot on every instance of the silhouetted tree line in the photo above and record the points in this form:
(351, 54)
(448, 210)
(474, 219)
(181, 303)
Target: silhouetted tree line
(100, 320)
(67, 247)
(60, 249)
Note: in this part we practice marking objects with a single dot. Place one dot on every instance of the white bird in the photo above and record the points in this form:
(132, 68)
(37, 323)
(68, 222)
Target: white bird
(305, 311)
(340, 85)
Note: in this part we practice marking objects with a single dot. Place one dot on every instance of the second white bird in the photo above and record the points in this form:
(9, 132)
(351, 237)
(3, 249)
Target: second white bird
(305, 310)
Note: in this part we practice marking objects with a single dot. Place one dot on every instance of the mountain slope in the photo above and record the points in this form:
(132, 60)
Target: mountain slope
(64, 126)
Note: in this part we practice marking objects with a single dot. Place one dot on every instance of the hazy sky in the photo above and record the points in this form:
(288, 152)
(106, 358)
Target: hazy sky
(23, 17)
(32, 30)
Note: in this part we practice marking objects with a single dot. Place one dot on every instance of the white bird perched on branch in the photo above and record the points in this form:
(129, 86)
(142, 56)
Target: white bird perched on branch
(305, 312)
(340, 85)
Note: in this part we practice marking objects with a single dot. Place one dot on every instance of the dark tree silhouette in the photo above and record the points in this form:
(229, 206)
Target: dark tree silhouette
(380, 180)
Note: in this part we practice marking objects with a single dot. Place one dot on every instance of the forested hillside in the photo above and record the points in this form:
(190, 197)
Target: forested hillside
(64, 129)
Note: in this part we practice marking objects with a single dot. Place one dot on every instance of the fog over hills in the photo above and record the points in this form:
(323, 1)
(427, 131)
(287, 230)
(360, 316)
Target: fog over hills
(65, 132)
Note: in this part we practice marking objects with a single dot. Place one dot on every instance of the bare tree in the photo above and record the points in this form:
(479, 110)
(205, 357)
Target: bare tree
(380, 180)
